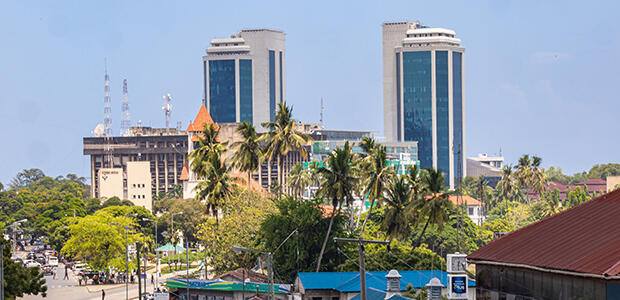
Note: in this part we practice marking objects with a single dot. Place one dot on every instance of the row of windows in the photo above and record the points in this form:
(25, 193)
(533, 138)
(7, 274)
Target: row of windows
(442, 113)
(138, 197)
(138, 185)
(429, 34)
(222, 90)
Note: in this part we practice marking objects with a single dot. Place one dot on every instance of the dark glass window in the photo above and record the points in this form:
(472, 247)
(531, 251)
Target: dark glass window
(245, 89)
(222, 90)
(398, 109)
(272, 85)
(442, 114)
(281, 80)
(417, 104)
(457, 112)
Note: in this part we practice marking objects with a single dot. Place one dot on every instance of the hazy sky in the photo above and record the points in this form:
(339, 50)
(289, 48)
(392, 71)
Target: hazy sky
(542, 77)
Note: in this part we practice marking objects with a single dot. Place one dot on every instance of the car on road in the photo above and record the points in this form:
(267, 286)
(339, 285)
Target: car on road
(53, 261)
(81, 267)
(48, 270)
(32, 263)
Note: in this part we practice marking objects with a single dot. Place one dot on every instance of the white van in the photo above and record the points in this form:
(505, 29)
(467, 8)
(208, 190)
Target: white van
(52, 261)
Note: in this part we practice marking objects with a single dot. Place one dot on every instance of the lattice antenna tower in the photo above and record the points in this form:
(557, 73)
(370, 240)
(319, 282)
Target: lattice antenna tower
(125, 117)
(107, 106)
(167, 108)
(322, 110)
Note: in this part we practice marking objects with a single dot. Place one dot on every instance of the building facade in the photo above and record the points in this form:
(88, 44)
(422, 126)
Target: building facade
(165, 151)
(244, 76)
(488, 166)
(424, 94)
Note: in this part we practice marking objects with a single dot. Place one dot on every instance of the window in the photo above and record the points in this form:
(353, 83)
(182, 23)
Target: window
(222, 90)
(471, 211)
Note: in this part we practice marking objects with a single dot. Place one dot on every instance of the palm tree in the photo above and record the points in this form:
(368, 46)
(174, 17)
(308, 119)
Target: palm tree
(538, 179)
(283, 138)
(248, 156)
(217, 186)
(436, 206)
(481, 188)
(378, 179)
(298, 179)
(208, 144)
(506, 185)
(337, 185)
(399, 205)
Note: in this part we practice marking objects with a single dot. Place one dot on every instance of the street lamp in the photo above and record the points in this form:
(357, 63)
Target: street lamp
(238, 249)
(126, 261)
(173, 242)
(156, 254)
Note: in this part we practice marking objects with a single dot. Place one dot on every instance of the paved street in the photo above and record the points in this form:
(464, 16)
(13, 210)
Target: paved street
(71, 290)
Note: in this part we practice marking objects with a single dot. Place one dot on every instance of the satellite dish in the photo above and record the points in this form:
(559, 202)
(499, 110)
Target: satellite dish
(98, 130)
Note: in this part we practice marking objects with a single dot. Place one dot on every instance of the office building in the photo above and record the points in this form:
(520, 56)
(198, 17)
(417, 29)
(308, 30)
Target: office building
(244, 76)
(424, 94)
(488, 166)
(112, 172)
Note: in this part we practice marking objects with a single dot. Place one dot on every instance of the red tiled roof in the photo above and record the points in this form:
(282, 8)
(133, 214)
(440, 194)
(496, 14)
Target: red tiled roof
(469, 200)
(583, 239)
(184, 172)
(202, 118)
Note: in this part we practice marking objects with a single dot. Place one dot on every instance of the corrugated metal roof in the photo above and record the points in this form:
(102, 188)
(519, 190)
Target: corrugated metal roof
(584, 239)
(350, 282)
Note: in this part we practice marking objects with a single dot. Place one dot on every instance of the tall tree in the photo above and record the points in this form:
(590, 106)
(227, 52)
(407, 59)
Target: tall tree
(19, 280)
(208, 145)
(506, 185)
(337, 185)
(298, 179)
(248, 156)
(379, 177)
(217, 186)
(283, 138)
(436, 206)
(398, 211)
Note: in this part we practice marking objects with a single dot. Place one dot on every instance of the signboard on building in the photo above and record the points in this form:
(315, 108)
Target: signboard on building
(161, 296)
(457, 277)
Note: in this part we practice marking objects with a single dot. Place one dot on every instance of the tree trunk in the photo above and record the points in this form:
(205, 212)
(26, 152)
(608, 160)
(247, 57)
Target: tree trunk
(280, 177)
(249, 178)
(422, 234)
(372, 204)
(329, 229)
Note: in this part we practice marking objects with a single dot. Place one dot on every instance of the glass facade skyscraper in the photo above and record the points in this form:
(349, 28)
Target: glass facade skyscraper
(423, 94)
(244, 77)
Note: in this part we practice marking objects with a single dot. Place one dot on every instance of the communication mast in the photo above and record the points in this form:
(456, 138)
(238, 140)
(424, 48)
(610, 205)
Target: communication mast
(167, 108)
(322, 109)
(125, 117)
(107, 108)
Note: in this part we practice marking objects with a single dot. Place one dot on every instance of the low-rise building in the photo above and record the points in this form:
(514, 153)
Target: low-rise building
(574, 254)
(200, 289)
(165, 151)
(346, 285)
(488, 166)
(475, 208)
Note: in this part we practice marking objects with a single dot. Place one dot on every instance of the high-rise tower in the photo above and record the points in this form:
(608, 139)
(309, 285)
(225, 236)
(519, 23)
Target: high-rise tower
(424, 94)
(125, 117)
(107, 107)
(244, 76)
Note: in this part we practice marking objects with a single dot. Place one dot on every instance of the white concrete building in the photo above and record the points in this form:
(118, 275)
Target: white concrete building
(139, 184)
(244, 76)
(424, 94)
(110, 183)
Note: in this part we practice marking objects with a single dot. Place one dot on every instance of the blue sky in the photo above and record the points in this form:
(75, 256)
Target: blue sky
(541, 76)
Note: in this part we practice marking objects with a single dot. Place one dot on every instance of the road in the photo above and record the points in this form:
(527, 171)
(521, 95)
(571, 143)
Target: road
(71, 290)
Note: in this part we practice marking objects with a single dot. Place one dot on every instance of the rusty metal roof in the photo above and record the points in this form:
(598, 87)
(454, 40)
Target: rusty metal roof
(584, 239)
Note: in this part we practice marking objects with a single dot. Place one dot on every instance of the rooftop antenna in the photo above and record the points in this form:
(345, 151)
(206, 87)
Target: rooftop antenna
(322, 110)
(167, 108)
(125, 117)
(107, 108)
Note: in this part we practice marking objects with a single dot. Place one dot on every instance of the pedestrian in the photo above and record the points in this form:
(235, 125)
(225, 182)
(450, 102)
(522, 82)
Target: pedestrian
(152, 279)
(54, 273)
(102, 294)
(66, 273)
(80, 281)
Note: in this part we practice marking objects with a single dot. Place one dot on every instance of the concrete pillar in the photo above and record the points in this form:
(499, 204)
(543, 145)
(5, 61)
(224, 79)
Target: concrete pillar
(174, 156)
(166, 171)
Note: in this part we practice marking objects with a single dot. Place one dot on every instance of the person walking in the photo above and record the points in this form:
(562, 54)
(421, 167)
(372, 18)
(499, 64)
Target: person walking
(66, 273)
(80, 280)
(102, 294)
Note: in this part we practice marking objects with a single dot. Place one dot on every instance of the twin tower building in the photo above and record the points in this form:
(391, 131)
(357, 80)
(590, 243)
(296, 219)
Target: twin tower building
(423, 87)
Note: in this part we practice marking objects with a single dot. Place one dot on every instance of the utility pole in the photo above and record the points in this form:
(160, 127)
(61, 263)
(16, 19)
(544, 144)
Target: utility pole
(187, 270)
(362, 254)
(139, 271)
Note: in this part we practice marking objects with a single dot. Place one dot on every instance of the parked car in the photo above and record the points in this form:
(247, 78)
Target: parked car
(33, 264)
